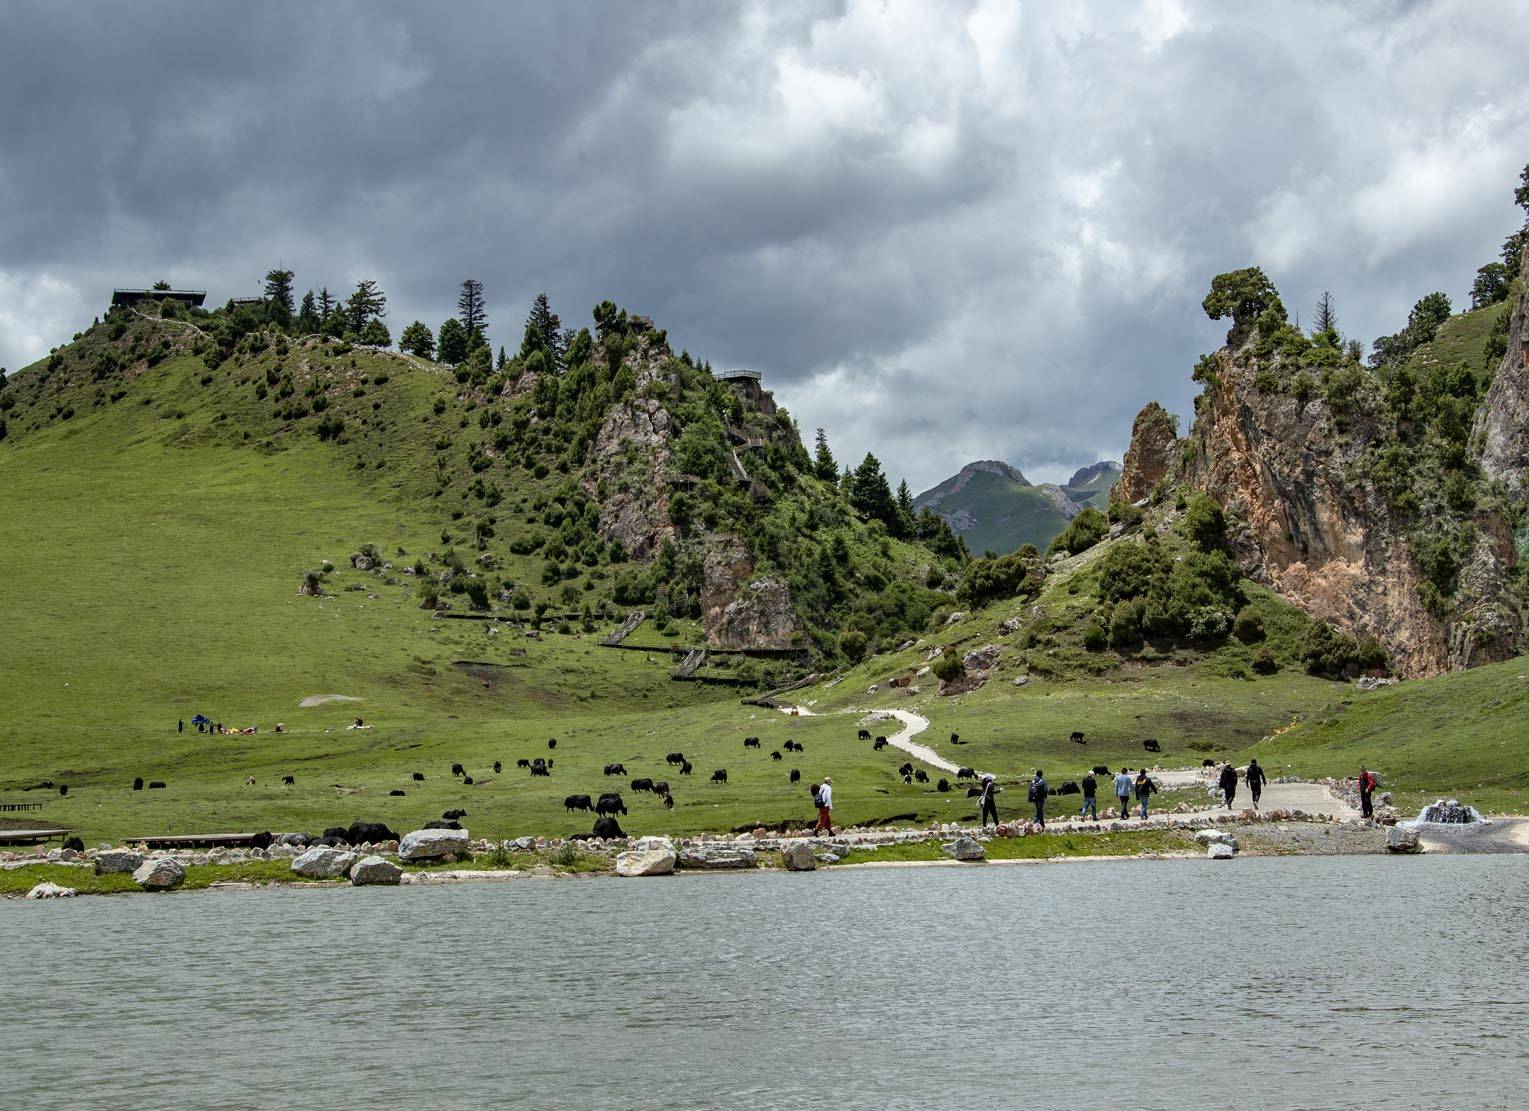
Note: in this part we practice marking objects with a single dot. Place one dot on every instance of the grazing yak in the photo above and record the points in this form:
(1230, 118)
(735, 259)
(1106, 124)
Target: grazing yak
(522, 763)
(453, 815)
(289, 781)
(955, 739)
(719, 776)
(668, 802)
(907, 779)
(456, 769)
(641, 784)
(674, 758)
(615, 769)
(138, 783)
(906, 769)
(443, 825)
(156, 784)
(540, 769)
(942, 785)
(881, 743)
(776, 755)
(966, 773)
(551, 742)
(1151, 746)
(863, 735)
(1100, 769)
(973, 792)
(578, 802)
(364, 833)
(751, 742)
(467, 781)
(921, 775)
(610, 804)
(607, 829)
(661, 787)
(1068, 788)
(685, 768)
(1077, 738)
(1207, 763)
(75, 843)
(796, 775)
(419, 777)
(261, 841)
(498, 767)
(395, 793)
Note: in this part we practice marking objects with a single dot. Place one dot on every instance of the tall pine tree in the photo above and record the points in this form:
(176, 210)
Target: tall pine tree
(278, 296)
(308, 315)
(451, 342)
(870, 494)
(470, 309)
(547, 324)
(368, 303)
(823, 463)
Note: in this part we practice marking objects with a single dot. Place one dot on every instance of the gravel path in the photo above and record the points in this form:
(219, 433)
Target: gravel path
(912, 726)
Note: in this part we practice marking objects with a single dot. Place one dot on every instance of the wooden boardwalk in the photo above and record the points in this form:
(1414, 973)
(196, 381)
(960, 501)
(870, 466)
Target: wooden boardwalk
(194, 841)
(31, 836)
(10, 807)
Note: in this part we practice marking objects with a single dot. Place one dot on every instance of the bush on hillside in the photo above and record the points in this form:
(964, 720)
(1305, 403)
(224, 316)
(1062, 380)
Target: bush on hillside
(1204, 523)
(852, 642)
(1193, 596)
(1248, 627)
(1082, 533)
(1125, 626)
(1096, 637)
(993, 578)
(949, 667)
(1338, 655)
(1264, 662)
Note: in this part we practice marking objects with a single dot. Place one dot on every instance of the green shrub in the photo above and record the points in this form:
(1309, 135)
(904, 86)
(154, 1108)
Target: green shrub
(1095, 637)
(1204, 523)
(1082, 533)
(949, 667)
(1248, 627)
(1125, 625)
(852, 642)
(1264, 662)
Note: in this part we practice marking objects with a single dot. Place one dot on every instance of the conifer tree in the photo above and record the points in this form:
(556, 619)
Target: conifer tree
(417, 340)
(547, 324)
(278, 296)
(823, 463)
(308, 315)
(366, 304)
(451, 342)
(1327, 316)
(870, 494)
(471, 311)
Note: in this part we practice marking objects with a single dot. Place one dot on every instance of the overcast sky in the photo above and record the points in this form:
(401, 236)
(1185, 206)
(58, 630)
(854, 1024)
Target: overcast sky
(943, 231)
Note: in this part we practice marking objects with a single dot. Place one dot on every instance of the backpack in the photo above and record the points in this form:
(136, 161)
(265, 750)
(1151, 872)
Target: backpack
(817, 798)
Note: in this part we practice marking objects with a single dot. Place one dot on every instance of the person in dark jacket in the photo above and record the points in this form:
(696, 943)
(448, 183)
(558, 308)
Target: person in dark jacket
(1090, 797)
(1256, 780)
(1038, 793)
(1228, 783)
(1145, 788)
(1367, 784)
(989, 799)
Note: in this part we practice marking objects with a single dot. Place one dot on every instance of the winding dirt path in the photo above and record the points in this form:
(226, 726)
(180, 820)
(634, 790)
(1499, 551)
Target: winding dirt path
(912, 726)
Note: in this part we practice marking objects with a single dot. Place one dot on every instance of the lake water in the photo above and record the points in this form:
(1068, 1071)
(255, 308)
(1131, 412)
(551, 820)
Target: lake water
(1289, 983)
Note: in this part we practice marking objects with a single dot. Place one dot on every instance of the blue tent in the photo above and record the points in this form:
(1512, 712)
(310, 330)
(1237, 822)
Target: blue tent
(201, 719)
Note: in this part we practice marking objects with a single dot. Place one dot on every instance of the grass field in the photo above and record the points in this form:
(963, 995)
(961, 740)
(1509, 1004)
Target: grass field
(153, 560)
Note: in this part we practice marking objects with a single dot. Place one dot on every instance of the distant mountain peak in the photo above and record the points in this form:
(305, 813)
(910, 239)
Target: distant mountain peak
(1084, 475)
(998, 467)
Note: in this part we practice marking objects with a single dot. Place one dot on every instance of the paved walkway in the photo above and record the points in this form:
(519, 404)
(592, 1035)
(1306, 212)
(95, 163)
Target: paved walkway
(912, 726)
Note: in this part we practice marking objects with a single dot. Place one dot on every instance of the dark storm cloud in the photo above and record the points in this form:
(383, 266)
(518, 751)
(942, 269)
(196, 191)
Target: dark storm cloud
(944, 232)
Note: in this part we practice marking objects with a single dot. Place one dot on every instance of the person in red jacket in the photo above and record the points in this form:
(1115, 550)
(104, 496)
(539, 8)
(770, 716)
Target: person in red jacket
(1367, 785)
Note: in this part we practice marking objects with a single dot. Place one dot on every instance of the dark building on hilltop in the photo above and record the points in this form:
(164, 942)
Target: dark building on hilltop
(190, 297)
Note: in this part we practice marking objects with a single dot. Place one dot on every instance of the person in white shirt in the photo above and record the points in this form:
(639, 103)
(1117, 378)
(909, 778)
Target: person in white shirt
(825, 807)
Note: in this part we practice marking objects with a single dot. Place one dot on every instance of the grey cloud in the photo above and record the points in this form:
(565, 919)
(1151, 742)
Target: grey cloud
(942, 231)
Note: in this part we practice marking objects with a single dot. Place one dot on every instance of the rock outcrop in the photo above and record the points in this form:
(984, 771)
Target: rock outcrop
(374, 871)
(323, 863)
(1153, 453)
(739, 611)
(434, 844)
(161, 874)
(648, 862)
(110, 862)
(1501, 430)
(797, 856)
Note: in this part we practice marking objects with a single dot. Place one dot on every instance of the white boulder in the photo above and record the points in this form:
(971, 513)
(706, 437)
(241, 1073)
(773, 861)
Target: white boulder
(434, 844)
(1400, 839)
(966, 848)
(373, 871)
(161, 874)
(718, 856)
(46, 890)
(648, 862)
(1220, 850)
(323, 863)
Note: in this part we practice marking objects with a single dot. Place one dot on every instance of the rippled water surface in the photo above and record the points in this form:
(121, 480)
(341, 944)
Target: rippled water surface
(1294, 983)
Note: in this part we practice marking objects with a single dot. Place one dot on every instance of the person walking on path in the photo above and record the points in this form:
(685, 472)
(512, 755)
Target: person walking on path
(825, 808)
(1256, 781)
(1367, 785)
(1038, 793)
(1123, 791)
(1144, 789)
(989, 799)
(1228, 783)
(1090, 797)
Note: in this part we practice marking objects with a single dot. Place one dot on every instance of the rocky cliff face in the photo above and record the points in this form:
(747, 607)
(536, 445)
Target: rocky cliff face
(1501, 431)
(1305, 520)
(1151, 456)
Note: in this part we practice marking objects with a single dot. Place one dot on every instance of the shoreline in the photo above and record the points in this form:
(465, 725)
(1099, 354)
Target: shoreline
(1190, 837)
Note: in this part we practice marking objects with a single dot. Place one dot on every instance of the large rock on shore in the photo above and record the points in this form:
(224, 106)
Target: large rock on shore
(111, 862)
(323, 863)
(649, 862)
(966, 848)
(1400, 839)
(1220, 850)
(161, 874)
(797, 856)
(718, 856)
(373, 871)
(435, 844)
(46, 890)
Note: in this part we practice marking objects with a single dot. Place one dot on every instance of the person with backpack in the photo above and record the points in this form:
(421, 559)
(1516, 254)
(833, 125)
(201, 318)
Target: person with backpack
(1367, 784)
(1038, 793)
(1144, 790)
(1228, 783)
(1123, 791)
(1256, 780)
(1090, 799)
(824, 797)
(989, 799)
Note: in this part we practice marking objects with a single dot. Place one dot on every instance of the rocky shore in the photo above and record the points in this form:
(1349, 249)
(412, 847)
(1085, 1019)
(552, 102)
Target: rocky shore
(435, 856)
